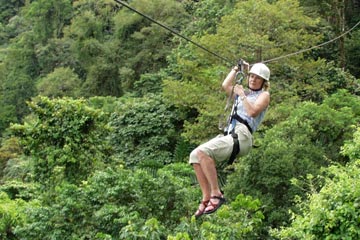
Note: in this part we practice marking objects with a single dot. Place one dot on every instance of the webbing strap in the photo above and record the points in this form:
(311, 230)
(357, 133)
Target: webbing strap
(236, 148)
(240, 120)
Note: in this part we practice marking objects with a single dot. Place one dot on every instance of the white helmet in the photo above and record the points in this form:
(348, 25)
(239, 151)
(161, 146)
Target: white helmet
(261, 70)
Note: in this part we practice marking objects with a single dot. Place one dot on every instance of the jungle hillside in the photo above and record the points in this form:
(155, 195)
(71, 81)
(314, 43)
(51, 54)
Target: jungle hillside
(100, 108)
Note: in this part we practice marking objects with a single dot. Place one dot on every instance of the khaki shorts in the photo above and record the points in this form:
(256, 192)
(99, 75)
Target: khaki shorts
(220, 147)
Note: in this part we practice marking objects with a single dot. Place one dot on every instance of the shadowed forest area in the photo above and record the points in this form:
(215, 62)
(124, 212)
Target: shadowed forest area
(100, 108)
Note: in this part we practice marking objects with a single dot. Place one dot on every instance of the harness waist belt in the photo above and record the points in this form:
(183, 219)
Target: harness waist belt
(240, 120)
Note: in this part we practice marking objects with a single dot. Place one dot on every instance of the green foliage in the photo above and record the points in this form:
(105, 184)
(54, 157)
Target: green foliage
(76, 187)
(321, 79)
(206, 15)
(344, 101)
(17, 86)
(151, 229)
(333, 212)
(16, 189)
(84, 26)
(7, 115)
(57, 53)
(48, 17)
(353, 49)
(11, 215)
(9, 8)
(145, 132)
(18, 168)
(148, 84)
(201, 96)
(300, 145)
(10, 149)
(144, 45)
(92, 48)
(124, 204)
(107, 104)
(257, 35)
(102, 80)
(63, 82)
(347, 16)
(60, 219)
(66, 137)
(351, 147)
(19, 68)
(242, 219)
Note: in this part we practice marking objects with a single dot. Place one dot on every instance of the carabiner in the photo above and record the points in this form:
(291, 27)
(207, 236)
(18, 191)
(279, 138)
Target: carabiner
(240, 75)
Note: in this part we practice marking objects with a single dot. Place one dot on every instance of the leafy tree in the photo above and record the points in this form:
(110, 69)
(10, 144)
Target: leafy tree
(351, 147)
(48, 17)
(10, 149)
(11, 215)
(149, 84)
(193, 95)
(16, 189)
(66, 139)
(17, 86)
(353, 52)
(144, 45)
(307, 140)
(241, 219)
(145, 131)
(256, 38)
(339, 16)
(107, 104)
(206, 15)
(9, 8)
(92, 48)
(102, 80)
(324, 81)
(332, 212)
(124, 204)
(57, 53)
(60, 83)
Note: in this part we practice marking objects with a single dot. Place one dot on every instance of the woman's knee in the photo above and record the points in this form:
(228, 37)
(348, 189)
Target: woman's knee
(194, 158)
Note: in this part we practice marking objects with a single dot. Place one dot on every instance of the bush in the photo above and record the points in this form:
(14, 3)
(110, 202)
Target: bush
(333, 212)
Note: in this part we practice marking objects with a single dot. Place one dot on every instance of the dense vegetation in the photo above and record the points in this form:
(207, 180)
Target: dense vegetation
(100, 108)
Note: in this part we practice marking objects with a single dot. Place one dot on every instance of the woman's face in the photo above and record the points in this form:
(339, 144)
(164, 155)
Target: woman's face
(255, 82)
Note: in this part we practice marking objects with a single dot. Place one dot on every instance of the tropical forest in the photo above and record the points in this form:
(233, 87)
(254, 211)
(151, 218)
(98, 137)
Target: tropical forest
(103, 101)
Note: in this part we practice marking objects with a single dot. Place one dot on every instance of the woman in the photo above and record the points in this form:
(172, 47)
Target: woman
(250, 108)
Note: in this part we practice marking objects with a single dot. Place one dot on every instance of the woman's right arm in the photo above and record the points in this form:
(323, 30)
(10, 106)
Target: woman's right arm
(227, 84)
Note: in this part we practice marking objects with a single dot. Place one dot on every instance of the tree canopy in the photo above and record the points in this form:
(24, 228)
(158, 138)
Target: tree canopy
(100, 109)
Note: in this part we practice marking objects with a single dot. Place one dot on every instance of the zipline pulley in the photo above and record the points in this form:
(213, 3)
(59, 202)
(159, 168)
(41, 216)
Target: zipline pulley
(240, 75)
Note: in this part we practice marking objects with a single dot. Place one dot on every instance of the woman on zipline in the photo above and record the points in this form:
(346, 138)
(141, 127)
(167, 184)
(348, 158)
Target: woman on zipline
(249, 110)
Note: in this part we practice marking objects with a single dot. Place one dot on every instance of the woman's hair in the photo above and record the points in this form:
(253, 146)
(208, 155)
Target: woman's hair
(266, 85)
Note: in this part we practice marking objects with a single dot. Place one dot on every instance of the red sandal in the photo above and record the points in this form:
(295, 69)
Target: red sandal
(200, 211)
(215, 206)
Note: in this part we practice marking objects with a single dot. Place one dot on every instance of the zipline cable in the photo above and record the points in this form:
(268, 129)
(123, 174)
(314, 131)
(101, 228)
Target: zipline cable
(225, 59)
(308, 49)
(173, 31)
